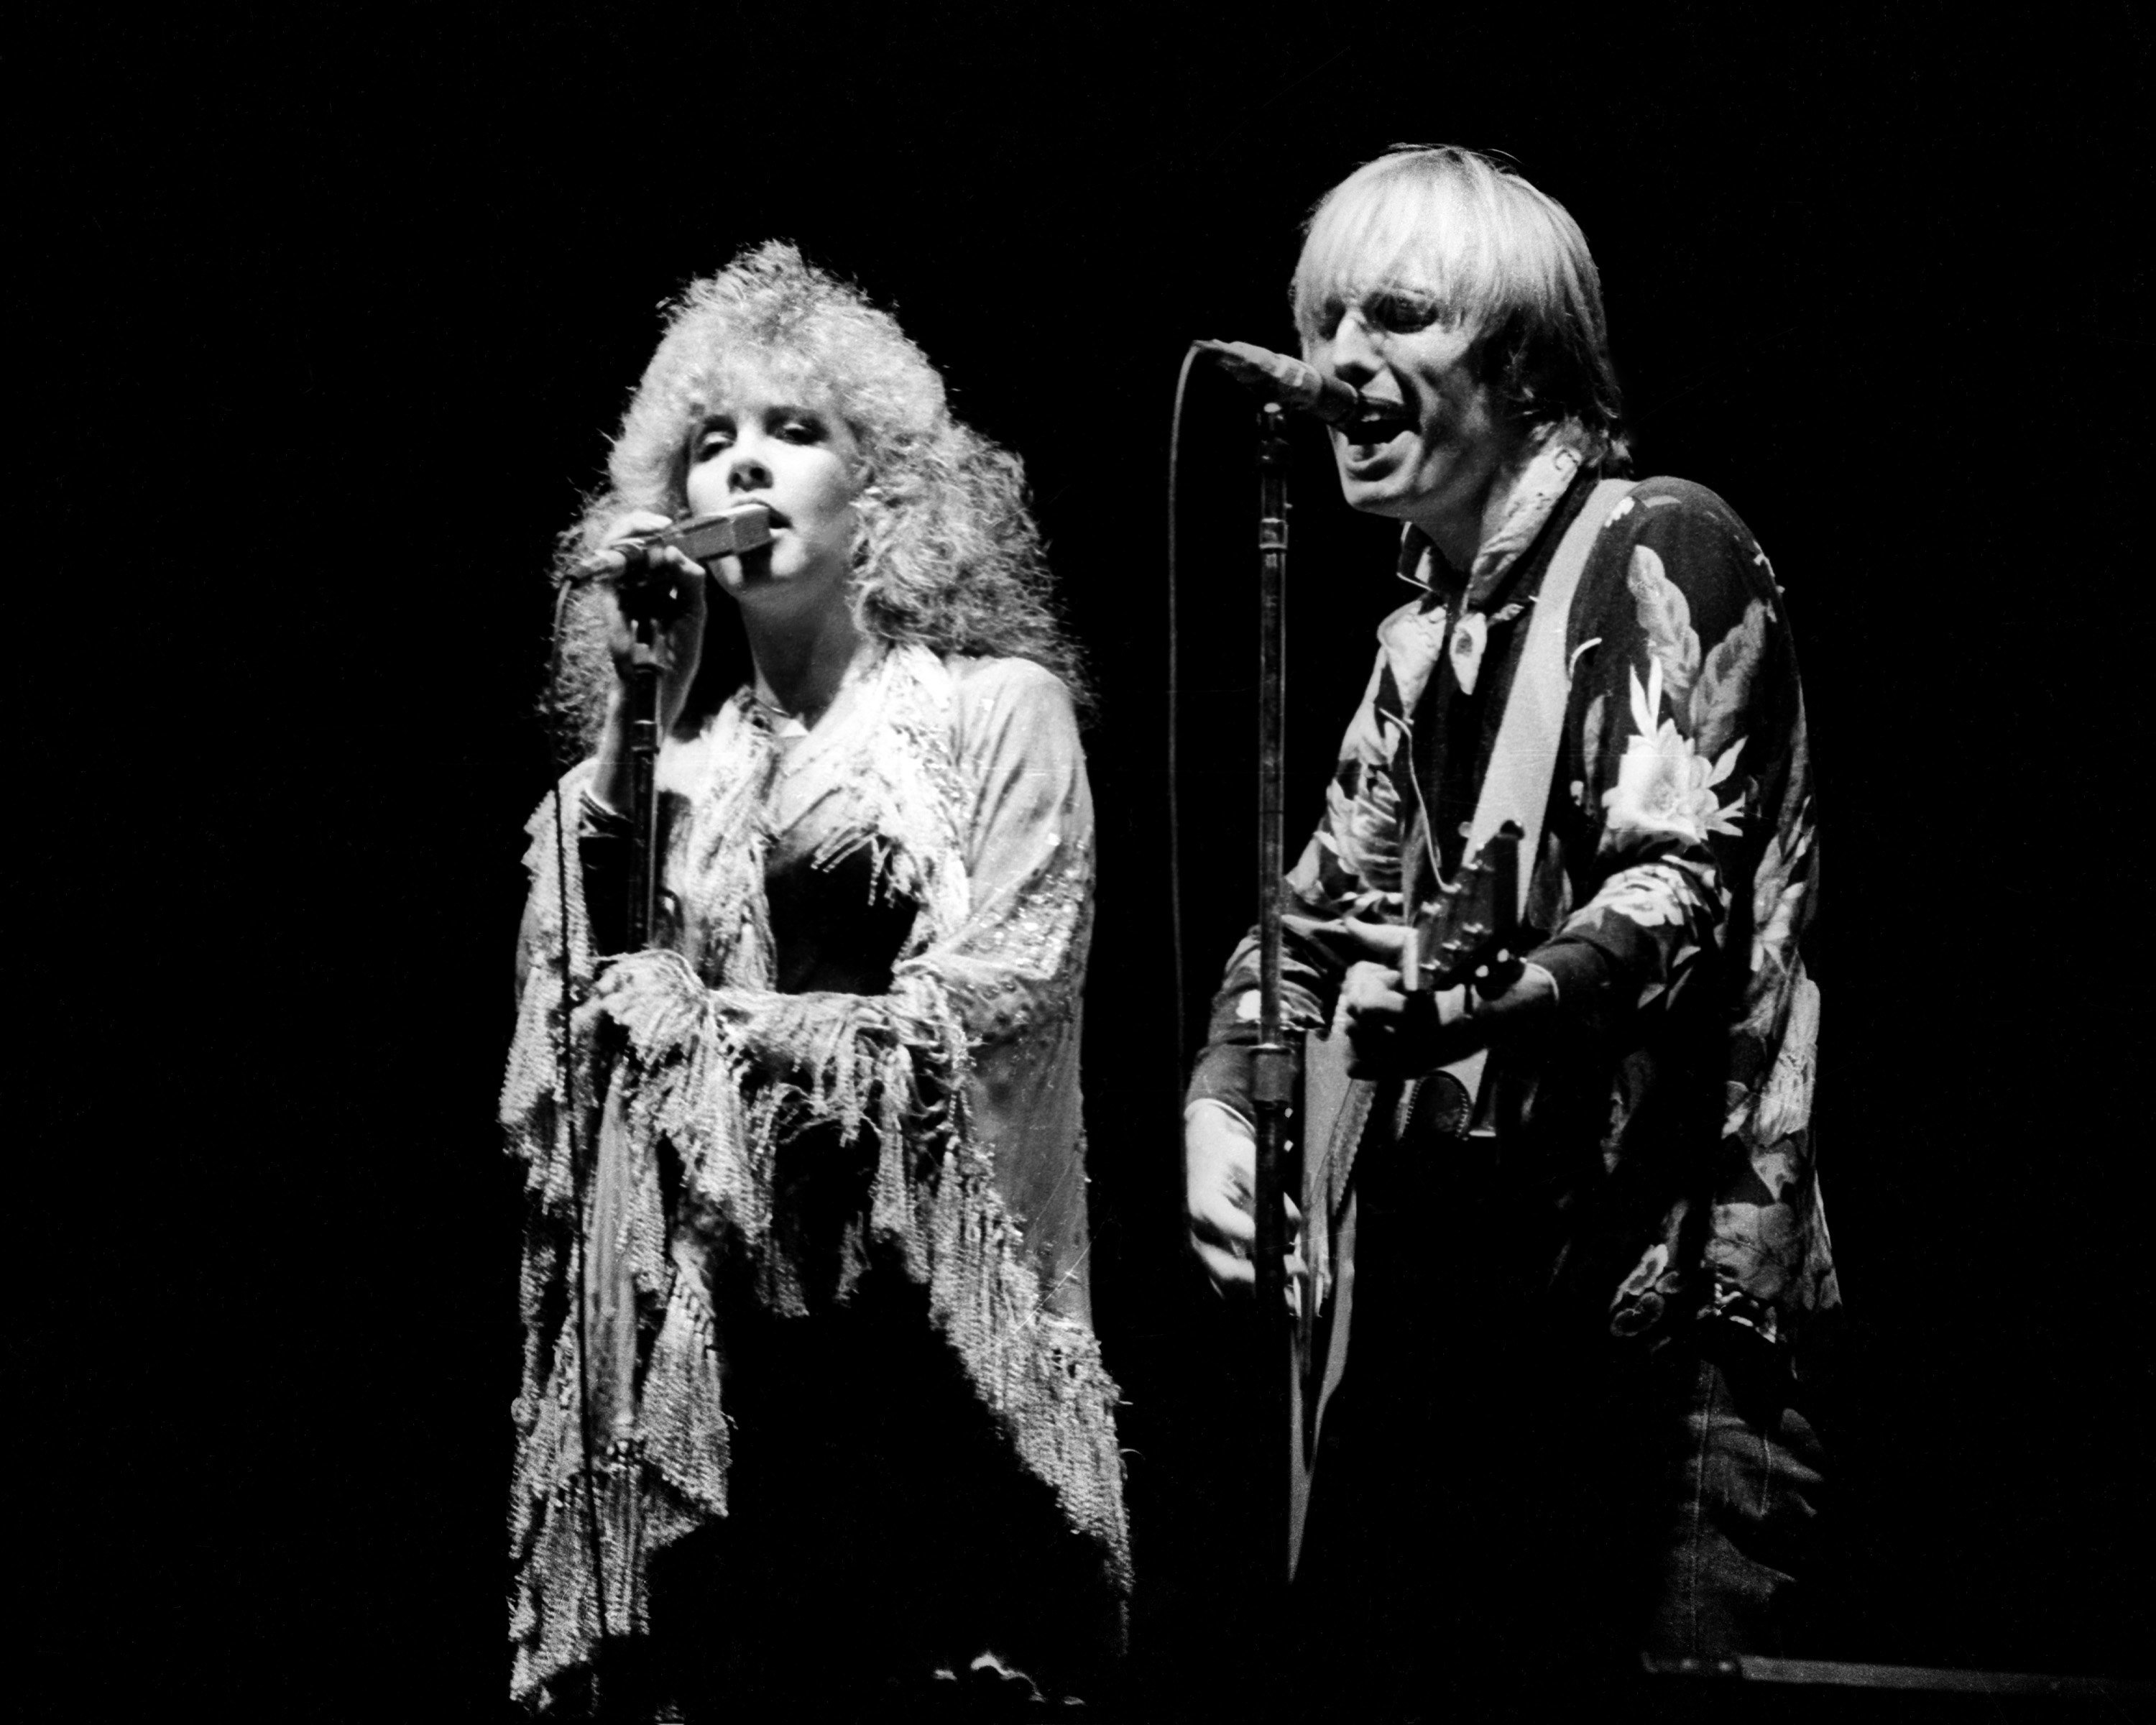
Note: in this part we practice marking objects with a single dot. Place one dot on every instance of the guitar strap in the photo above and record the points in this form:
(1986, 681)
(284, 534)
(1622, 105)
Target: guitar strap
(1523, 759)
(1517, 787)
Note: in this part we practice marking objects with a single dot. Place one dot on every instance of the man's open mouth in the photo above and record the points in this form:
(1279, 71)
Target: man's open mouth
(1376, 425)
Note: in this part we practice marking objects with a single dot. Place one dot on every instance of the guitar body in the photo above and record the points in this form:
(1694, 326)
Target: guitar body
(1465, 937)
(1333, 1106)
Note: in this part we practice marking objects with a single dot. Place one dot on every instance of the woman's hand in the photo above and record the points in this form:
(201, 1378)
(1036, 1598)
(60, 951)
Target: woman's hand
(651, 999)
(670, 588)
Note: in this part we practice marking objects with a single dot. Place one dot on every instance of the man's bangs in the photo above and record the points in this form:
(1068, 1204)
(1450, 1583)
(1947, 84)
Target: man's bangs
(1393, 232)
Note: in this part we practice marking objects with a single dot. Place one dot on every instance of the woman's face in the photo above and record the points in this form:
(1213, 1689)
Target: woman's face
(764, 441)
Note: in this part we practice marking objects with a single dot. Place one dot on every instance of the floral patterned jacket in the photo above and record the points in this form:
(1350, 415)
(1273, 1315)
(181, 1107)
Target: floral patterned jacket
(1671, 1131)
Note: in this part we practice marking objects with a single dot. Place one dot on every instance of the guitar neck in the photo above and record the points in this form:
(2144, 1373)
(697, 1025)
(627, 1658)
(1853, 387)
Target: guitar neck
(1470, 925)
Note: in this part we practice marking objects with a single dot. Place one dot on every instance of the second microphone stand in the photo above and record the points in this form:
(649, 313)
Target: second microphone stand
(644, 681)
(1272, 1062)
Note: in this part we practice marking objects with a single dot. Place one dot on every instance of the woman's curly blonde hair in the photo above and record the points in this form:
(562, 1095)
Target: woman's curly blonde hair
(948, 555)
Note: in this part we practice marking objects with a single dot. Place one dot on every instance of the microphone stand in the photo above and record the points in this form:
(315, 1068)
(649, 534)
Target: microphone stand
(745, 527)
(611, 1656)
(643, 785)
(1272, 1063)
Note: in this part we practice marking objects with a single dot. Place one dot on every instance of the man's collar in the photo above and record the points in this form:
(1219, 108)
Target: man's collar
(1530, 491)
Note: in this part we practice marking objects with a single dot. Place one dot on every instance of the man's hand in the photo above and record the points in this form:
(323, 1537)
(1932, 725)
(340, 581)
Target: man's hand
(1392, 1034)
(1220, 1169)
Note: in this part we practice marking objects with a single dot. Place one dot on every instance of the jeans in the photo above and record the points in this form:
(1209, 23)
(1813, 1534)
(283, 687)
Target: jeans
(1507, 1506)
(1740, 1482)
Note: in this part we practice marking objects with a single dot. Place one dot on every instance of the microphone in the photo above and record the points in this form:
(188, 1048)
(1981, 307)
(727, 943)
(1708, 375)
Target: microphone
(1290, 381)
(727, 532)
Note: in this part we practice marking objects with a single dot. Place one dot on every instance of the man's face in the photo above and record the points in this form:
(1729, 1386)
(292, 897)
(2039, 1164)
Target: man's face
(1437, 439)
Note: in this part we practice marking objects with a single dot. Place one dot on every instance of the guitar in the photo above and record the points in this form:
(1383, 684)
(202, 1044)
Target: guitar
(1467, 934)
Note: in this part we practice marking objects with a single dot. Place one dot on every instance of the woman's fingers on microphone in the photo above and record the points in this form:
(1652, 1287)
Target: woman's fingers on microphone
(677, 558)
(637, 524)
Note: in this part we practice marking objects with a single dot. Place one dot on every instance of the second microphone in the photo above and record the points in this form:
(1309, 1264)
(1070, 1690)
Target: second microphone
(746, 527)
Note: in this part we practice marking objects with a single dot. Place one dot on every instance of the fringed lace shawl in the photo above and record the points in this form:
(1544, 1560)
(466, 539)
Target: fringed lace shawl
(965, 787)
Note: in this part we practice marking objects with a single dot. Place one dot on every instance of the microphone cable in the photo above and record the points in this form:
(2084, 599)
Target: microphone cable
(1175, 712)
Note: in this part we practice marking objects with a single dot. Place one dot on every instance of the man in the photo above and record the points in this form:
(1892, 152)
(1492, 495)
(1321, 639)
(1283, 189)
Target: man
(1568, 1427)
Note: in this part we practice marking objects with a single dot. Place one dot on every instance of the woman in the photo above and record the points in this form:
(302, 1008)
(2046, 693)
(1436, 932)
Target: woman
(849, 1430)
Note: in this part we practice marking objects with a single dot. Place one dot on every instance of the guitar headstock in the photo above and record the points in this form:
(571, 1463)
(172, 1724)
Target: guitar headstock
(1467, 932)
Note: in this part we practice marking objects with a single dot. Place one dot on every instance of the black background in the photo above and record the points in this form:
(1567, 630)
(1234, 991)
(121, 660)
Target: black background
(325, 319)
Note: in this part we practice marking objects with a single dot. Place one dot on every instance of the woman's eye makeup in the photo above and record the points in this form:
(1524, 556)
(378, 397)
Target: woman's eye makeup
(787, 425)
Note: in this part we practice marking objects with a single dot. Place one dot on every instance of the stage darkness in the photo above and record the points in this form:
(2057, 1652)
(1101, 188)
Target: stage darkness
(328, 321)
